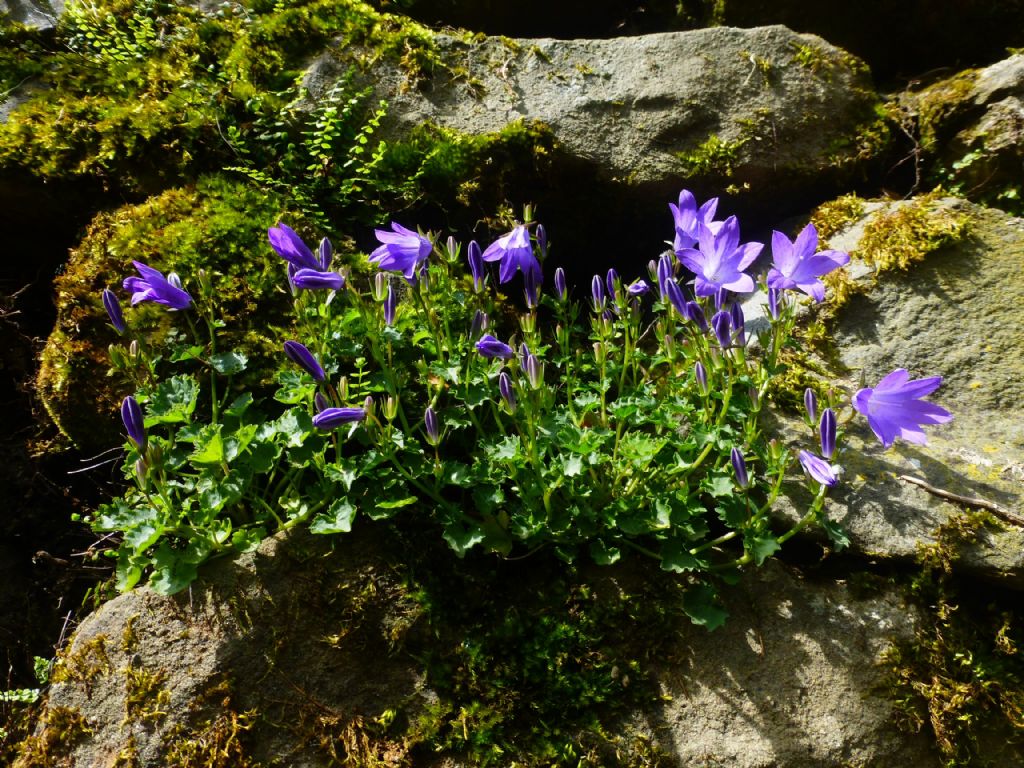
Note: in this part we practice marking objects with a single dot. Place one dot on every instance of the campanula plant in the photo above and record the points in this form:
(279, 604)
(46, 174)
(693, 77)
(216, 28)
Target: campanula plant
(626, 422)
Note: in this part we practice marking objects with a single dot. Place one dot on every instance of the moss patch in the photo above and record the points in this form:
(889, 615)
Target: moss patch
(217, 737)
(62, 729)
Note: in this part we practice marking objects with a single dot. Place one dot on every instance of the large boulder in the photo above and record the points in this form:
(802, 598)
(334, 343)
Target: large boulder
(41, 15)
(294, 655)
(959, 314)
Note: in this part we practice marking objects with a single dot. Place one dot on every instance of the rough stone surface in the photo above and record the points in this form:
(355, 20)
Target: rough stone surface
(632, 106)
(36, 14)
(296, 634)
(958, 314)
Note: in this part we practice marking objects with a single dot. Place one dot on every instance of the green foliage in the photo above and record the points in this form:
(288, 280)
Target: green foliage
(962, 676)
(715, 157)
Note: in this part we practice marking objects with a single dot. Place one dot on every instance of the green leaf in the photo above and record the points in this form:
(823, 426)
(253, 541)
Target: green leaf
(336, 519)
(173, 401)
(603, 554)
(506, 450)
(763, 547)
(719, 485)
(344, 473)
(461, 537)
(397, 503)
(172, 572)
(699, 603)
(247, 539)
(229, 363)
(295, 424)
(836, 533)
(572, 466)
(209, 447)
(186, 353)
(676, 557)
(239, 405)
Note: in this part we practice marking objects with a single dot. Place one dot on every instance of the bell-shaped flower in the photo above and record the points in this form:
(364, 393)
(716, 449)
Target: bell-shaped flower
(798, 267)
(721, 324)
(720, 260)
(332, 418)
(390, 306)
(693, 311)
(290, 247)
(818, 469)
(811, 405)
(401, 250)
(315, 280)
(515, 252)
(894, 407)
(638, 288)
(490, 347)
(153, 286)
(675, 296)
(689, 219)
(700, 373)
(325, 254)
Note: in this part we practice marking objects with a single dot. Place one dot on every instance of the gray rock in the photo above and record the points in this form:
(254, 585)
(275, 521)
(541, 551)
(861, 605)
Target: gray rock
(301, 638)
(35, 14)
(658, 110)
(958, 314)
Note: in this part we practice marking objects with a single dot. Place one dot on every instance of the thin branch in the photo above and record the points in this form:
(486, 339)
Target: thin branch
(968, 501)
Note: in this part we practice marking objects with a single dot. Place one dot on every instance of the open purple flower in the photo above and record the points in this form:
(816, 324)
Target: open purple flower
(289, 246)
(689, 219)
(515, 252)
(720, 261)
(332, 418)
(313, 280)
(153, 286)
(798, 267)
(490, 347)
(894, 407)
(819, 469)
(401, 250)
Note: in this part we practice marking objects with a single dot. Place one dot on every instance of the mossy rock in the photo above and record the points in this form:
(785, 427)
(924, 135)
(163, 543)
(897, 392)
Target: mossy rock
(218, 225)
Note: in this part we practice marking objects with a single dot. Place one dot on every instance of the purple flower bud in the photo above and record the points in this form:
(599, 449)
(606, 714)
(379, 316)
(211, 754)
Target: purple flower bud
(289, 246)
(433, 430)
(773, 303)
(740, 467)
(131, 415)
(332, 418)
(490, 347)
(827, 432)
(722, 325)
(696, 314)
(113, 307)
(476, 265)
(560, 284)
(479, 325)
(701, 375)
(524, 352)
(638, 288)
(303, 358)
(818, 469)
(542, 240)
(720, 296)
(610, 280)
(174, 280)
(736, 316)
(811, 404)
(534, 371)
(314, 280)
(675, 296)
(664, 271)
(507, 390)
(292, 269)
(390, 305)
(321, 402)
(326, 254)
(368, 405)
(530, 289)
(597, 293)
(424, 277)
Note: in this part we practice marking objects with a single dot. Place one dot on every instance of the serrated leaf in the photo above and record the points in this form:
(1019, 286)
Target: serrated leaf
(462, 538)
(763, 548)
(209, 447)
(836, 533)
(572, 466)
(336, 519)
(719, 486)
(173, 401)
(699, 603)
(676, 557)
(172, 572)
(604, 554)
(239, 405)
(229, 363)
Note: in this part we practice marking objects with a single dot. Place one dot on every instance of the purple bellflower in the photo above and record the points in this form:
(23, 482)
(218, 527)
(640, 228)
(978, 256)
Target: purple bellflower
(597, 294)
(401, 250)
(675, 296)
(531, 290)
(113, 307)
(325, 253)
(542, 240)
(700, 373)
(534, 371)
(560, 290)
(153, 286)
(507, 391)
(736, 315)
(479, 324)
(610, 280)
(689, 219)
(721, 324)
(894, 407)
(515, 252)
(720, 261)
(332, 418)
(819, 469)
(289, 246)
(663, 271)
(302, 357)
(432, 427)
(811, 405)
(694, 312)
(314, 280)
(131, 415)
(390, 306)
(638, 288)
(320, 402)
(798, 267)
(773, 303)
(490, 347)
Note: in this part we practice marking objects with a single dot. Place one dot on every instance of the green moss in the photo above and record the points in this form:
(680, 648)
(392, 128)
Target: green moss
(83, 665)
(932, 109)
(216, 738)
(836, 215)
(908, 233)
(962, 676)
(62, 729)
(715, 157)
(146, 699)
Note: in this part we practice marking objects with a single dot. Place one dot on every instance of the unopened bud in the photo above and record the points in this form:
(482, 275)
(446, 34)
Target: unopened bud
(390, 407)
(134, 349)
(343, 388)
